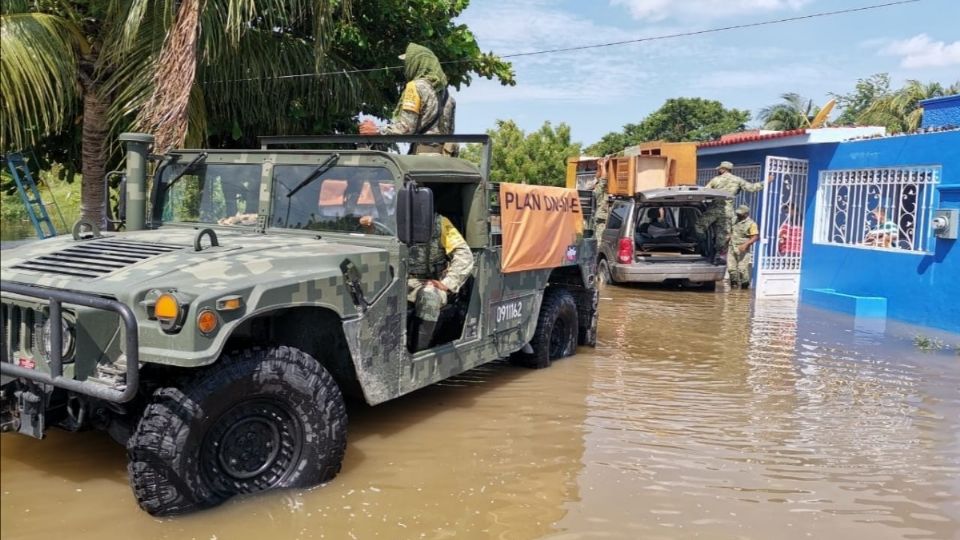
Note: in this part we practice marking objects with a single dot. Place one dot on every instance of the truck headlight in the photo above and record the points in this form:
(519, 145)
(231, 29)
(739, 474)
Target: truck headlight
(66, 340)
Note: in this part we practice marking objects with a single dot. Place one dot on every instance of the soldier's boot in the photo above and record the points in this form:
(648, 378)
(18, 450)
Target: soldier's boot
(720, 258)
(423, 335)
(734, 285)
(745, 285)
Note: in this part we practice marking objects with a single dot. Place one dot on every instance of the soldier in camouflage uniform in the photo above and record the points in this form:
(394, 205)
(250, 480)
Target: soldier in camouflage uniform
(603, 208)
(437, 268)
(720, 212)
(742, 237)
(426, 106)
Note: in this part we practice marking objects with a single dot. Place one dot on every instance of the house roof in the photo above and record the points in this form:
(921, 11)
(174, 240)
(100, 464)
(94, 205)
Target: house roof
(738, 142)
(942, 99)
(738, 138)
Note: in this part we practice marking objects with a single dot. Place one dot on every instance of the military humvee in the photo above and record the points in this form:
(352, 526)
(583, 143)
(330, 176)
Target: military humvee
(218, 334)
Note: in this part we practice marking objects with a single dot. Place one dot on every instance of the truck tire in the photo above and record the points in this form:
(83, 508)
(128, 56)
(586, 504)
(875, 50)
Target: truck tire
(556, 333)
(257, 419)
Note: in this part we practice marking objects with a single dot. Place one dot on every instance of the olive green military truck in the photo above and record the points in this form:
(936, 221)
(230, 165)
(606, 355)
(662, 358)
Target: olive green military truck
(219, 332)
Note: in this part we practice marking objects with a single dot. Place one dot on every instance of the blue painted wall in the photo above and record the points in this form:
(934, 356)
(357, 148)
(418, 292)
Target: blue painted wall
(941, 112)
(920, 289)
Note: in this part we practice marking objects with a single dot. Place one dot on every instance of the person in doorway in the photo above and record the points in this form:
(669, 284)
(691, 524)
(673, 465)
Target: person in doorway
(790, 234)
(885, 232)
(436, 269)
(720, 212)
(426, 106)
(743, 235)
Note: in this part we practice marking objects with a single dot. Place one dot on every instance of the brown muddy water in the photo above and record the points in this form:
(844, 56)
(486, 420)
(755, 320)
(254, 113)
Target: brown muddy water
(687, 421)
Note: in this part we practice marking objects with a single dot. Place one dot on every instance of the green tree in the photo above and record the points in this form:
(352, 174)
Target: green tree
(215, 72)
(678, 120)
(853, 104)
(539, 157)
(794, 112)
(901, 111)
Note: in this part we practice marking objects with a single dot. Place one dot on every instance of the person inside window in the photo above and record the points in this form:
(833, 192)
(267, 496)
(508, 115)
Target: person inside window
(884, 233)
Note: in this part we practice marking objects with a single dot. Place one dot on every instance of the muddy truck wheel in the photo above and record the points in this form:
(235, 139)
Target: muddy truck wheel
(603, 274)
(556, 334)
(256, 420)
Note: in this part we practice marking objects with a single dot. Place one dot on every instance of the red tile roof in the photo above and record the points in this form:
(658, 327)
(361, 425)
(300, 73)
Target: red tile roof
(737, 138)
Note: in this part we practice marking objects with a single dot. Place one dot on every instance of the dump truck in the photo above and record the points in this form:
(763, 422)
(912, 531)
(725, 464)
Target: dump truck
(217, 335)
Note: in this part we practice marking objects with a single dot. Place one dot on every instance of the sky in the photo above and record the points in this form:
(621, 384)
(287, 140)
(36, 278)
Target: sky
(597, 91)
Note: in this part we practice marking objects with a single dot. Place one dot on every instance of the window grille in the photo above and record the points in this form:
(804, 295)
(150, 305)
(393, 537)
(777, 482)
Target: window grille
(884, 208)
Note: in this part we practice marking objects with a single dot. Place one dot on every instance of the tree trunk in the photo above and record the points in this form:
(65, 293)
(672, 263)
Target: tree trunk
(165, 113)
(93, 196)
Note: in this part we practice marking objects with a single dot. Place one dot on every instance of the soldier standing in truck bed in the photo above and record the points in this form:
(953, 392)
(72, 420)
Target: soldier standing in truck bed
(720, 212)
(603, 207)
(426, 106)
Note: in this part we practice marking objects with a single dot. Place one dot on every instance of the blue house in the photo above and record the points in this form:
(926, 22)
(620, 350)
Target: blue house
(851, 221)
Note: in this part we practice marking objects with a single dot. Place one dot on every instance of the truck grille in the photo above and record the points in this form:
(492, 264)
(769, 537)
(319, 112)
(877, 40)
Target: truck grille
(19, 324)
(95, 258)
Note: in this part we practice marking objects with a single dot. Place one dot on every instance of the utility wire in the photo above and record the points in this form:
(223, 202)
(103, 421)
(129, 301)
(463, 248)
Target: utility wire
(607, 44)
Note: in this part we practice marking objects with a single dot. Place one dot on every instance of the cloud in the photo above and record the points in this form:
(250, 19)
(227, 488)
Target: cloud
(658, 10)
(592, 75)
(778, 78)
(922, 52)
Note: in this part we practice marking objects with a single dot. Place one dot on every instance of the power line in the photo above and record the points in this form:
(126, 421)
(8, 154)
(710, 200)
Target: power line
(714, 30)
(603, 45)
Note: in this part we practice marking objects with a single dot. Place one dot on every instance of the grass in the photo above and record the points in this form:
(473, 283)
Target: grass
(927, 344)
(55, 194)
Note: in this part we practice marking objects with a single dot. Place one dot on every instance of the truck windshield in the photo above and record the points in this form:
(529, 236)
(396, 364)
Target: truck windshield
(222, 194)
(341, 199)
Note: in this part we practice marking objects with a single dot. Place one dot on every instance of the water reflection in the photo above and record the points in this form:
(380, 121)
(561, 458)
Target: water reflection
(698, 415)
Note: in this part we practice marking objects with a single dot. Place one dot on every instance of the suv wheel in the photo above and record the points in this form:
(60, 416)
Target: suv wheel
(603, 273)
(556, 334)
(256, 420)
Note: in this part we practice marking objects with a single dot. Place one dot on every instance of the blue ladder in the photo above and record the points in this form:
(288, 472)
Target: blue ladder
(30, 196)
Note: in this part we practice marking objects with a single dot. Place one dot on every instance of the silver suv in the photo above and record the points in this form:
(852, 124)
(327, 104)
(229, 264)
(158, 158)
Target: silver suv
(651, 238)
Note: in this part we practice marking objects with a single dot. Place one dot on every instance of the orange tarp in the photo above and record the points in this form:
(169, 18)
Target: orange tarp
(331, 192)
(542, 226)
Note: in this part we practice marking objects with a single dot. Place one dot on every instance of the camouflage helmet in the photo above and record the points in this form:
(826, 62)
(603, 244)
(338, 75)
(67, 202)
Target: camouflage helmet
(725, 165)
(743, 210)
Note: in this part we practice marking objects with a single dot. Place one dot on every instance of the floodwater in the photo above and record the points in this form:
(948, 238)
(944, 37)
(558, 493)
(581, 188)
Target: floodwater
(687, 421)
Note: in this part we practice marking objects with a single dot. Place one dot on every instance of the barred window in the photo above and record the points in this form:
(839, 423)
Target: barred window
(885, 208)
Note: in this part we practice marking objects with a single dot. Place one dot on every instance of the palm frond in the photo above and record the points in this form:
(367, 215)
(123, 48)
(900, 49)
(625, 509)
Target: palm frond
(38, 75)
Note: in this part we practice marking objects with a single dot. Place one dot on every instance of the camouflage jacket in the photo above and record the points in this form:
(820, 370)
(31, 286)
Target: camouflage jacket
(733, 185)
(742, 231)
(418, 107)
(446, 257)
(600, 196)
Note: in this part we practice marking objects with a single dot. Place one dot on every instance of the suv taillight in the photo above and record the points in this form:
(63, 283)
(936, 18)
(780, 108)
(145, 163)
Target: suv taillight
(625, 251)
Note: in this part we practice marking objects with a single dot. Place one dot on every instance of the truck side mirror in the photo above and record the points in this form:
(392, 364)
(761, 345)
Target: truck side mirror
(415, 215)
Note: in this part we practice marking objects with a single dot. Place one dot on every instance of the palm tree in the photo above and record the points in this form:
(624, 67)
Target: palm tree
(901, 111)
(794, 112)
(136, 63)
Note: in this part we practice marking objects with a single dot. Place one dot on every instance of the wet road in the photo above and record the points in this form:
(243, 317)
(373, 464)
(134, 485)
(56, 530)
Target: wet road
(686, 422)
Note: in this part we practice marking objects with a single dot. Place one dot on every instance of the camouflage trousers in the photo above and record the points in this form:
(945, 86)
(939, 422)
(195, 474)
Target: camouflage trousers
(724, 221)
(427, 299)
(598, 229)
(738, 265)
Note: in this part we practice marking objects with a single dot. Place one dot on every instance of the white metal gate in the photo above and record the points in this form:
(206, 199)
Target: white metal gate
(781, 227)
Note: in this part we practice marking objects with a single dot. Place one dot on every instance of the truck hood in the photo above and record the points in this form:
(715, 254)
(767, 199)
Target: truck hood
(117, 264)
